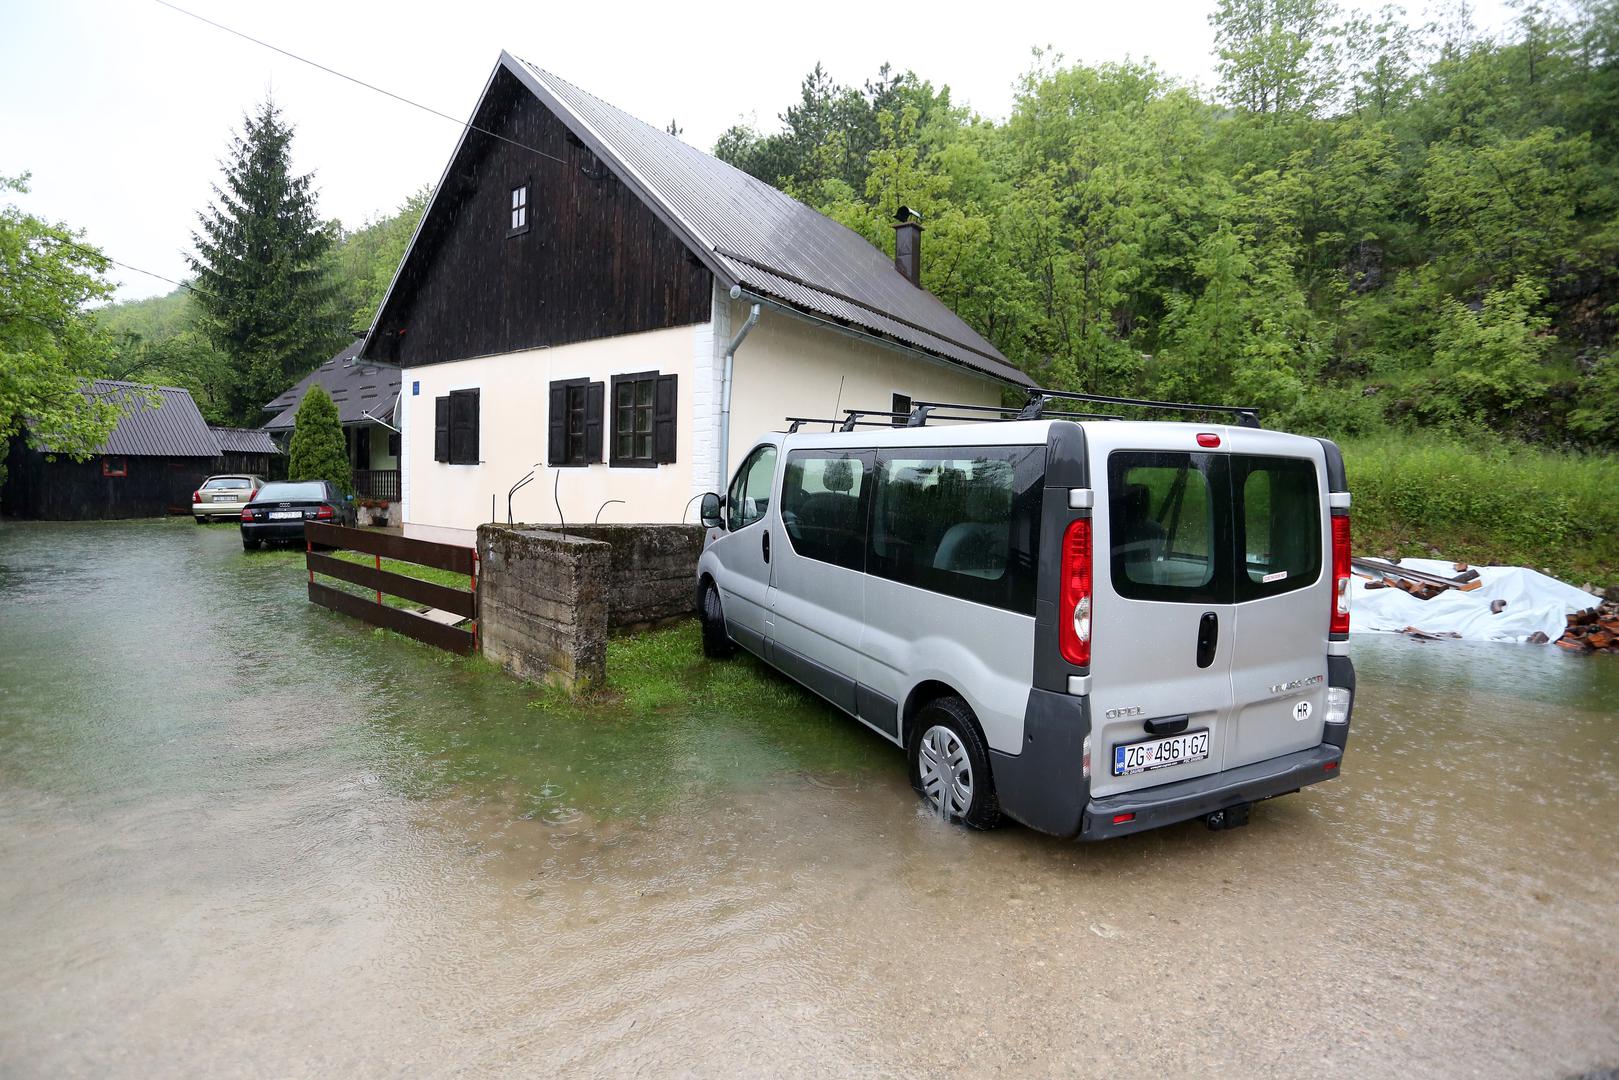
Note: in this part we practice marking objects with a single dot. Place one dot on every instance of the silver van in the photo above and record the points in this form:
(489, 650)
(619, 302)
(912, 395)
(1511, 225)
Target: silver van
(1091, 626)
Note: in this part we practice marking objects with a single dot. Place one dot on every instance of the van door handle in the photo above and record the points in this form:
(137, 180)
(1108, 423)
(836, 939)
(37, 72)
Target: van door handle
(1208, 638)
(765, 542)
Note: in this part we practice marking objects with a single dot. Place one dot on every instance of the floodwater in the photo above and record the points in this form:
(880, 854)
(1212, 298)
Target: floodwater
(242, 836)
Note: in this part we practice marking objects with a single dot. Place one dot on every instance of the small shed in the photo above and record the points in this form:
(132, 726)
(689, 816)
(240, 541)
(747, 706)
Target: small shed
(150, 464)
(249, 450)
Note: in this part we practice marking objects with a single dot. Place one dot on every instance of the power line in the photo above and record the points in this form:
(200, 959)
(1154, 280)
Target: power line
(96, 252)
(462, 124)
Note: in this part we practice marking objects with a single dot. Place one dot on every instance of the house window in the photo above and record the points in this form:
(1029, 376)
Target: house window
(114, 466)
(901, 404)
(393, 444)
(519, 210)
(575, 423)
(643, 420)
(455, 428)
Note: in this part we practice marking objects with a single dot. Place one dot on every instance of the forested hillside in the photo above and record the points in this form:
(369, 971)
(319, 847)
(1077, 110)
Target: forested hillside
(1362, 226)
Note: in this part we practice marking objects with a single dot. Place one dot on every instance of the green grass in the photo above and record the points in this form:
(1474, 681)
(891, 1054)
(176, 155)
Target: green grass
(1492, 502)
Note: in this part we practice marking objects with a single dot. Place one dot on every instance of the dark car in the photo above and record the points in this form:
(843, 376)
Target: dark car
(279, 510)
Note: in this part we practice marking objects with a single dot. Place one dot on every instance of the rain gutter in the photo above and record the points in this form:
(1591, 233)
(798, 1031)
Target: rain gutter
(725, 389)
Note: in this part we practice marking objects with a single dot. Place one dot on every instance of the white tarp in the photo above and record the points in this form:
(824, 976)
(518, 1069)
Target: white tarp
(1534, 602)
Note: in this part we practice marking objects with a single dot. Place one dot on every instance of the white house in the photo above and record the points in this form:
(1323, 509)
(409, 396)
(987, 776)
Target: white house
(590, 298)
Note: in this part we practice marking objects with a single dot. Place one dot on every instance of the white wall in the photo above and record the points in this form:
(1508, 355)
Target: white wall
(512, 404)
(789, 367)
(785, 367)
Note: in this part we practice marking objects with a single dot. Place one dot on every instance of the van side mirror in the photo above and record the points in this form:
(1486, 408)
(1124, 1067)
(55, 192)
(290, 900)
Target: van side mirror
(710, 511)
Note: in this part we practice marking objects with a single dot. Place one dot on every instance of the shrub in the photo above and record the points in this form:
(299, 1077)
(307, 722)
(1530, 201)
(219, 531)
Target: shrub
(317, 451)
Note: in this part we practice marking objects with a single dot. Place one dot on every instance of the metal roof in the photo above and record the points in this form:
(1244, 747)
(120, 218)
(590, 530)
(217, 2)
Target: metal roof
(173, 428)
(235, 440)
(752, 235)
(357, 387)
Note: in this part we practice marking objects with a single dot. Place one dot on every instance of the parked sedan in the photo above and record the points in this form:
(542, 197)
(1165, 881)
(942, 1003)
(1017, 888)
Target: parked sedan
(279, 510)
(224, 496)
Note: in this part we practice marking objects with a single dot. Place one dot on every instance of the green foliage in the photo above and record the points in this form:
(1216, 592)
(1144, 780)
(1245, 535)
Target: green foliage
(364, 261)
(263, 279)
(1487, 363)
(47, 343)
(317, 450)
(1486, 501)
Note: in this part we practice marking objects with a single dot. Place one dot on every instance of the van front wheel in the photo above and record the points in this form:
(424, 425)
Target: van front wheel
(950, 765)
(717, 644)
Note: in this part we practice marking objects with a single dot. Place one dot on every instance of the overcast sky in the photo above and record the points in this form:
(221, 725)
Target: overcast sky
(122, 109)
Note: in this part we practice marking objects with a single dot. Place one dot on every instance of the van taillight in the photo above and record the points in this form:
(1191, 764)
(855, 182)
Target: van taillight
(1340, 574)
(1074, 605)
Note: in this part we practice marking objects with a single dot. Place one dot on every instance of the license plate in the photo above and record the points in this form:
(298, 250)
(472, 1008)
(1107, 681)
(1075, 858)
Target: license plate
(1179, 749)
(225, 498)
(281, 515)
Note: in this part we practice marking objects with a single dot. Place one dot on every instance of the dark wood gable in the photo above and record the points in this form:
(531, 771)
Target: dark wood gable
(590, 260)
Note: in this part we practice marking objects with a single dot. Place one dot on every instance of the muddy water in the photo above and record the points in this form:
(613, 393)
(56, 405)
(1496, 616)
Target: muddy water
(242, 836)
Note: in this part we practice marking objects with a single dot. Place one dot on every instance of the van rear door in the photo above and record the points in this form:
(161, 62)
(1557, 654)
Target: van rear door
(1283, 593)
(1163, 628)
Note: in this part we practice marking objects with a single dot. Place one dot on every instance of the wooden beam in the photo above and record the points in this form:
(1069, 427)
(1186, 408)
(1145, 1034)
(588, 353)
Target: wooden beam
(451, 557)
(459, 601)
(404, 622)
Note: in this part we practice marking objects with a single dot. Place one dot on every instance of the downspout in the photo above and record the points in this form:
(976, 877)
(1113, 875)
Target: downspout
(725, 389)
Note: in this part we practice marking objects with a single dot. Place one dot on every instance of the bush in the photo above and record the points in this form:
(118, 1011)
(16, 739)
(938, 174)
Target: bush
(1495, 502)
(317, 451)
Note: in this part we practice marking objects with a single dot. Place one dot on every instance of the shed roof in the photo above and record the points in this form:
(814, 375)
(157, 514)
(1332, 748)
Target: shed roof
(173, 428)
(235, 440)
(357, 387)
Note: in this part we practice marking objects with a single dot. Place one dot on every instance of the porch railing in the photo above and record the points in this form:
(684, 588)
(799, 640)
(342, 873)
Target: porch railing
(377, 483)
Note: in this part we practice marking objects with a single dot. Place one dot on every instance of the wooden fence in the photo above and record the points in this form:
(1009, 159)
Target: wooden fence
(451, 557)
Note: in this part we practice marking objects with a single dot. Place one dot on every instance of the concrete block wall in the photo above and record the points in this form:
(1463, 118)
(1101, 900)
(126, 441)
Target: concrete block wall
(652, 571)
(542, 604)
(548, 598)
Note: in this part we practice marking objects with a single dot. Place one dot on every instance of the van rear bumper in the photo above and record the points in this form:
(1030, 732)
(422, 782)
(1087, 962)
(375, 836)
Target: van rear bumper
(1201, 795)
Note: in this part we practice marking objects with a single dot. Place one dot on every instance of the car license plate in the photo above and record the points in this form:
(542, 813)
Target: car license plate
(224, 498)
(281, 515)
(1179, 749)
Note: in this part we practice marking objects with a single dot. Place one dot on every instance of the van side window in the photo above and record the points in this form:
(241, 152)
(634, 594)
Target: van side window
(963, 522)
(823, 508)
(1279, 514)
(1164, 524)
(749, 496)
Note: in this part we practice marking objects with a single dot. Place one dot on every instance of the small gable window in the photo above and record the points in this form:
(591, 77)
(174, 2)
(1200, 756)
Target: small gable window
(455, 428)
(114, 466)
(643, 420)
(575, 423)
(519, 210)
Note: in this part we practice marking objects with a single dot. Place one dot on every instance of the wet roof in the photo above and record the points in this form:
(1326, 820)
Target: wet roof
(357, 387)
(234, 440)
(751, 235)
(172, 428)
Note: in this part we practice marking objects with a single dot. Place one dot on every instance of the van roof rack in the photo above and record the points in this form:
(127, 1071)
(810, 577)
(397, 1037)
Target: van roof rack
(1036, 409)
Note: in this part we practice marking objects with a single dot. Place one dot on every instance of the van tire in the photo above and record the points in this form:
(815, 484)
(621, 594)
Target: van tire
(717, 644)
(955, 716)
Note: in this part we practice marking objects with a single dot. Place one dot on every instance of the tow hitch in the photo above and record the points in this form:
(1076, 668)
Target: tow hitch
(1232, 817)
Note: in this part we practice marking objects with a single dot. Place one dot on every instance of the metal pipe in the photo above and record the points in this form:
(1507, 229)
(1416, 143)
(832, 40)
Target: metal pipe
(725, 390)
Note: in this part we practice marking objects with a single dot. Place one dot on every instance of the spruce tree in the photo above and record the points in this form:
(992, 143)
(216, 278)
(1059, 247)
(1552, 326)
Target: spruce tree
(317, 451)
(263, 283)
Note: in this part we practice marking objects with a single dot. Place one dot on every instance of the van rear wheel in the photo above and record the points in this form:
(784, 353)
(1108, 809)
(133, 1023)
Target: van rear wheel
(717, 644)
(950, 764)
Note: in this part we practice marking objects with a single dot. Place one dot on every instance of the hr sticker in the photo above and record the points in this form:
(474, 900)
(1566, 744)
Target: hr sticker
(1301, 711)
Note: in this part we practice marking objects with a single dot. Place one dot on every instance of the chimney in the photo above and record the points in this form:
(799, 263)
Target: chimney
(908, 244)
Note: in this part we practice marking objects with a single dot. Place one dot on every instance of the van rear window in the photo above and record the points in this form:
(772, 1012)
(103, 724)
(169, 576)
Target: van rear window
(1164, 515)
(962, 521)
(1279, 515)
(1212, 528)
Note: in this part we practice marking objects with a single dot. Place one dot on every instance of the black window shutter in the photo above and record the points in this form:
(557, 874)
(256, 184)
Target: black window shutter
(595, 409)
(464, 427)
(441, 429)
(556, 451)
(663, 420)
